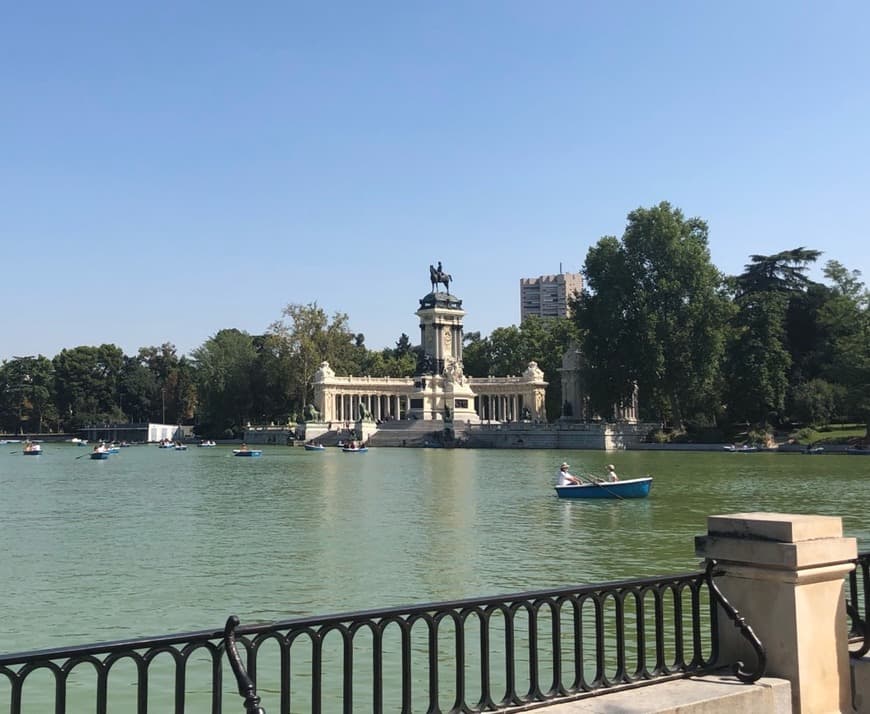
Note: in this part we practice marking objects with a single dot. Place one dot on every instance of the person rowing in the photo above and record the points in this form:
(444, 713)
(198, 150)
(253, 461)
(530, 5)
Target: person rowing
(566, 478)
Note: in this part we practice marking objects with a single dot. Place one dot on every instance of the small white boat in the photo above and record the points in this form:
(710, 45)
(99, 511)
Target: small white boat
(181, 447)
(743, 449)
(207, 444)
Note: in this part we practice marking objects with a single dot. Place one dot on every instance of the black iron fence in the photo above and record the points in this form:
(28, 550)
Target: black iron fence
(473, 655)
(858, 606)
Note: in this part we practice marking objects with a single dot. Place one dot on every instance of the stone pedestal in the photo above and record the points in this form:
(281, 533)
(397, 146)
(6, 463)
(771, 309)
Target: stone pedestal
(785, 575)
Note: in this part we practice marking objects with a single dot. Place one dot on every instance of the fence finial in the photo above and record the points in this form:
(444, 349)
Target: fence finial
(245, 683)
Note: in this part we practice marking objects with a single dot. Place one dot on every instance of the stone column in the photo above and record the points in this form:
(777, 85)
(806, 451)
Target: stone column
(785, 574)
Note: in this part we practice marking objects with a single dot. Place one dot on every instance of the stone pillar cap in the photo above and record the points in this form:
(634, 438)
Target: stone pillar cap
(779, 527)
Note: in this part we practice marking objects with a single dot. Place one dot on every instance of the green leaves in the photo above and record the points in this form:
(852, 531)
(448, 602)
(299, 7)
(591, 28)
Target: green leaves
(653, 315)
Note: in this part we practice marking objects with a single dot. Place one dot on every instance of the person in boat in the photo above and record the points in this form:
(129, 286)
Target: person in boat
(611, 473)
(566, 478)
(243, 447)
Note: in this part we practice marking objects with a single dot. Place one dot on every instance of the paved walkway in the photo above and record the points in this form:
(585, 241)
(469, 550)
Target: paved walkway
(701, 695)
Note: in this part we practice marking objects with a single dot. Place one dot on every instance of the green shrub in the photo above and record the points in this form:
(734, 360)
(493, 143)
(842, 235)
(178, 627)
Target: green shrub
(657, 436)
(804, 435)
(759, 435)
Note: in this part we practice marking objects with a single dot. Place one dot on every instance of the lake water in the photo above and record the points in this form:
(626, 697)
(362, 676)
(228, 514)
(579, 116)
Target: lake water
(154, 541)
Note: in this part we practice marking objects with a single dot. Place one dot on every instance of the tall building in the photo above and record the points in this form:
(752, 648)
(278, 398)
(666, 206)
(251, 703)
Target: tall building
(547, 295)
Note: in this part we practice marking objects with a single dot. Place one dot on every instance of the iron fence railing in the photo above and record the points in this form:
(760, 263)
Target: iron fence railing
(858, 606)
(474, 655)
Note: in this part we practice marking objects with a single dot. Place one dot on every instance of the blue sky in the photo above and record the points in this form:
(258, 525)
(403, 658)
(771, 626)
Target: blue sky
(171, 169)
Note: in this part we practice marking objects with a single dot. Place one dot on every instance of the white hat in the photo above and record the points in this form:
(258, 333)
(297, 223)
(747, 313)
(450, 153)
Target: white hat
(564, 466)
(611, 467)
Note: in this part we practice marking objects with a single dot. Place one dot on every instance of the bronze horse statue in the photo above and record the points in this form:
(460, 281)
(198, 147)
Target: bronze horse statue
(436, 275)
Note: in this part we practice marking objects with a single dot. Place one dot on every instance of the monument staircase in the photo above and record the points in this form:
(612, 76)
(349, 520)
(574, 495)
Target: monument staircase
(417, 433)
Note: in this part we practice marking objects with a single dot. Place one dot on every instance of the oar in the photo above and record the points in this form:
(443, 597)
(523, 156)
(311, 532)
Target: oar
(13, 452)
(87, 453)
(600, 484)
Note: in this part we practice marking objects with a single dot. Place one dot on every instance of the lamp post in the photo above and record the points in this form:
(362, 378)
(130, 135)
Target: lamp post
(163, 404)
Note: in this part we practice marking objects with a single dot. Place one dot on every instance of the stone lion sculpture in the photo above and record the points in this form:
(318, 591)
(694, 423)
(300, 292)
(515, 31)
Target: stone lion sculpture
(310, 413)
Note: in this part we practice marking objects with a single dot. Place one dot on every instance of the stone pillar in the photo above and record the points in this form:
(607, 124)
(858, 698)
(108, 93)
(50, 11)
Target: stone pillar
(785, 574)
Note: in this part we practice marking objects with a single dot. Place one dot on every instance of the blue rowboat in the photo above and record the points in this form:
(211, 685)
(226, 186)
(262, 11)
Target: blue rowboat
(247, 452)
(100, 455)
(630, 488)
(355, 449)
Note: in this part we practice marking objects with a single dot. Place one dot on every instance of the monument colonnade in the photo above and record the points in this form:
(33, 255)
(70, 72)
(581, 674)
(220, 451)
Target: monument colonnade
(502, 399)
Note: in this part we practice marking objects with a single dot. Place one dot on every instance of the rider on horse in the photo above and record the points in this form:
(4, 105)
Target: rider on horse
(437, 275)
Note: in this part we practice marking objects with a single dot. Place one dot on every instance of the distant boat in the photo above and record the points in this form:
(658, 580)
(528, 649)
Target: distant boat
(247, 452)
(630, 488)
(814, 450)
(99, 455)
(314, 447)
(206, 444)
(858, 451)
(166, 444)
(181, 447)
(743, 449)
(31, 449)
(355, 449)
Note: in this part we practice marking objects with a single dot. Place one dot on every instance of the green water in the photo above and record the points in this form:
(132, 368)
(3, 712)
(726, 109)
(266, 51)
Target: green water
(154, 541)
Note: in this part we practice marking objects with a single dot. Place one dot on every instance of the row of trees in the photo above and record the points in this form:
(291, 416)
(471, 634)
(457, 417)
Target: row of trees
(656, 315)
(232, 379)
(760, 347)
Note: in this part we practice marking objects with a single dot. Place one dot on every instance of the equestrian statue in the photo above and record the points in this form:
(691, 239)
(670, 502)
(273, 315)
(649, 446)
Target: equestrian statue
(437, 275)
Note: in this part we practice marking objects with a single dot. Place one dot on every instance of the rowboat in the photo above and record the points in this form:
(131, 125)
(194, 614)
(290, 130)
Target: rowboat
(314, 447)
(355, 449)
(32, 450)
(247, 452)
(207, 444)
(744, 449)
(99, 455)
(629, 488)
(858, 451)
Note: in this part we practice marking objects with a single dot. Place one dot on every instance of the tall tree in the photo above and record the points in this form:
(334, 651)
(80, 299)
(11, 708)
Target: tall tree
(27, 394)
(653, 315)
(763, 352)
(308, 338)
(758, 360)
(845, 320)
(224, 366)
(86, 383)
(781, 272)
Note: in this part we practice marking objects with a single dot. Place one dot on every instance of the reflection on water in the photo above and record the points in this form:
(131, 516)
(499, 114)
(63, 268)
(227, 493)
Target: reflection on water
(154, 541)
